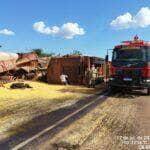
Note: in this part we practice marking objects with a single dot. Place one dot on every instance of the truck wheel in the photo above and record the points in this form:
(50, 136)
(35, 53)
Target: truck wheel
(148, 91)
(113, 88)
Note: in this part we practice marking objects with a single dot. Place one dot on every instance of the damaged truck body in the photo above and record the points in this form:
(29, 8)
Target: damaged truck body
(75, 67)
(22, 66)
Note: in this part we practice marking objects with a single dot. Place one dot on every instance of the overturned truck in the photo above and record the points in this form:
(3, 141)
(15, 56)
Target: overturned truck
(22, 66)
(75, 67)
(26, 65)
(30, 66)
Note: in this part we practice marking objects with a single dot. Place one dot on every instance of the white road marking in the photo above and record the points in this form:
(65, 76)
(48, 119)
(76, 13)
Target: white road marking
(22, 144)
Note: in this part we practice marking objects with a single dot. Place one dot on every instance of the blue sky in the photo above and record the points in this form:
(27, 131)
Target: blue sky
(93, 16)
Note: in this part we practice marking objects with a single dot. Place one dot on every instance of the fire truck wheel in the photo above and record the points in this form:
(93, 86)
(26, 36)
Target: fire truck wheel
(113, 88)
(148, 91)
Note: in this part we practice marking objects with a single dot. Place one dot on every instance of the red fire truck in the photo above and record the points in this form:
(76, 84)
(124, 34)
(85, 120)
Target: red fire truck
(131, 65)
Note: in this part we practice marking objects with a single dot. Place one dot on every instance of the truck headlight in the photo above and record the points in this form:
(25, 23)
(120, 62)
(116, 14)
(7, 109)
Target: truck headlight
(146, 80)
(111, 79)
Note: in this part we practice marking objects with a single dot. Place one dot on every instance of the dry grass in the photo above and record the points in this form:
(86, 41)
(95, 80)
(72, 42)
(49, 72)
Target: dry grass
(18, 106)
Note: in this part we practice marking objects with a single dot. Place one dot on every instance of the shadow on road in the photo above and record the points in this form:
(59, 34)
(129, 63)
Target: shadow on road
(127, 93)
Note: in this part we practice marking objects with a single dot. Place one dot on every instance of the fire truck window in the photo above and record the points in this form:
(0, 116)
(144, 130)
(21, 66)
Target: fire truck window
(146, 52)
(129, 55)
(114, 55)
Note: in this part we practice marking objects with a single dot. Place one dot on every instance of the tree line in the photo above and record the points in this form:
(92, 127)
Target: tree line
(40, 52)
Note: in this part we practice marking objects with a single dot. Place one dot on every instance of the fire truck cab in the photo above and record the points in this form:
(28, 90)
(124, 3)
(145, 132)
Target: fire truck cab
(131, 65)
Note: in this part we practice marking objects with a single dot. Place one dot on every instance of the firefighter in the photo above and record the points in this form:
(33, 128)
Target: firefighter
(91, 76)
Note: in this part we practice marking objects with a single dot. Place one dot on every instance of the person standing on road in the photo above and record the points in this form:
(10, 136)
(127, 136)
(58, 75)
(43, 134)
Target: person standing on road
(64, 79)
(92, 75)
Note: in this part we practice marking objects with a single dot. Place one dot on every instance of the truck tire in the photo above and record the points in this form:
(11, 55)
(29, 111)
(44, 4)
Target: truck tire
(113, 88)
(148, 91)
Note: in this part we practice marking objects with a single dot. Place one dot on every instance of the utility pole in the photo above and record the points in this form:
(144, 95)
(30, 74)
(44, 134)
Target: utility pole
(107, 66)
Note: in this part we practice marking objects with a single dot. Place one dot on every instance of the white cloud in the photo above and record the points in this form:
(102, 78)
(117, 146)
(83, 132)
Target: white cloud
(141, 19)
(123, 21)
(67, 30)
(6, 32)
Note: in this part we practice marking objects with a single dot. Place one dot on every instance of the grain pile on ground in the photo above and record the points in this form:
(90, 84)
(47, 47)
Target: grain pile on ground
(100, 128)
(20, 106)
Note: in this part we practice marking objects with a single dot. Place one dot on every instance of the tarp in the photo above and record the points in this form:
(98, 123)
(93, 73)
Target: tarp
(8, 56)
(7, 61)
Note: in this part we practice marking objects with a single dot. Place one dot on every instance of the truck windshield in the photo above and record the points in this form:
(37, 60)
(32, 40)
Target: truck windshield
(129, 55)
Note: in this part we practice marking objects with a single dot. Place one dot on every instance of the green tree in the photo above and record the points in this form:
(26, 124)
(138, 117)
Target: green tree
(41, 53)
(76, 52)
(38, 51)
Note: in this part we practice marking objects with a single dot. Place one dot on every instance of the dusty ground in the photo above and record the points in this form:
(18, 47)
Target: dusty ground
(101, 128)
(143, 115)
(120, 122)
(20, 106)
